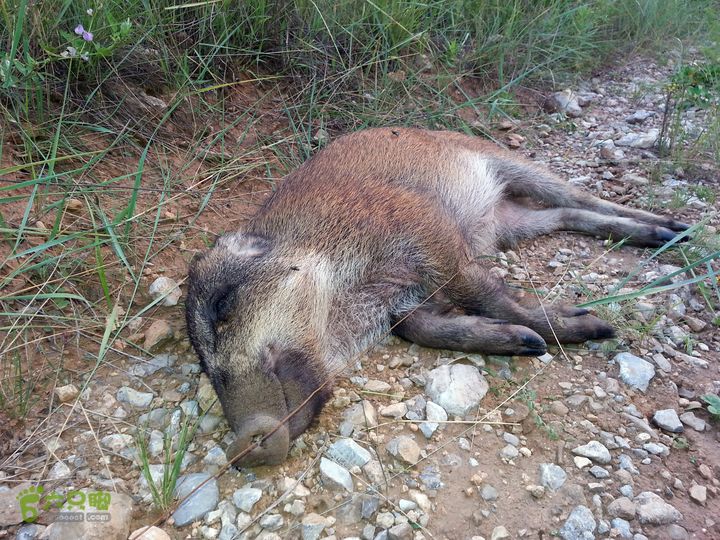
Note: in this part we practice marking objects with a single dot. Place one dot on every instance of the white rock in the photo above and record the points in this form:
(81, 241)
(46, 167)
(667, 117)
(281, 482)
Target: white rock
(167, 287)
(335, 475)
(595, 451)
(635, 371)
(457, 388)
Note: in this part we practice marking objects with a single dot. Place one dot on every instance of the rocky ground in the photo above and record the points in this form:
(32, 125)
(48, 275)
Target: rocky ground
(606, 440)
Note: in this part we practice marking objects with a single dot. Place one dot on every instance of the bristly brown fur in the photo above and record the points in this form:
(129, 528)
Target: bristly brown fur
(357, 239)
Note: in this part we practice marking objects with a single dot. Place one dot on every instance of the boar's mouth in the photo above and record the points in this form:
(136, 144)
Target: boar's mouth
(261, 407)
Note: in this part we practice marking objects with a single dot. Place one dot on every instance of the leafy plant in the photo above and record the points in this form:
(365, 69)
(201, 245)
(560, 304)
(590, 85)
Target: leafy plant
(713, 405)
(696, 84)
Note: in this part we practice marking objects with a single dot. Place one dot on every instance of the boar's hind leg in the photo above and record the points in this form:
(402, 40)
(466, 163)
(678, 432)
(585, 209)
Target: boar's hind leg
(525, 180)
(519, 222)
(477, 293)
(429, 328)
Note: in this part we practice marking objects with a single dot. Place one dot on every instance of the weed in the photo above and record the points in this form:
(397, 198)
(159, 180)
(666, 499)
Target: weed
(681, 443)
(16, 389)
(713, 405)
(175, 445)
(529, 397)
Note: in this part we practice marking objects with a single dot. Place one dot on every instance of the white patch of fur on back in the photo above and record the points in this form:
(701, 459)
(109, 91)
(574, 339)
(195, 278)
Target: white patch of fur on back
(473, 190)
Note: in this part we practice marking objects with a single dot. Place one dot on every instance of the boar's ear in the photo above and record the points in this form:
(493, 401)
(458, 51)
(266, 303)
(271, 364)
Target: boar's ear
(244, 245)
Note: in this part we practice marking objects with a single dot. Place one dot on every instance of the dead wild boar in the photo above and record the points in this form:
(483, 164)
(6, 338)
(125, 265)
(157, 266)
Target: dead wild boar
(383, 227)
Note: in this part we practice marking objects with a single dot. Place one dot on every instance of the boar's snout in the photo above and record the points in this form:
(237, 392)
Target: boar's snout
(269, 406)
(270, 450)
(255, 406)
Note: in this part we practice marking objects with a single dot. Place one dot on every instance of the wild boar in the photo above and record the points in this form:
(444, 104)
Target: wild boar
(383, 227)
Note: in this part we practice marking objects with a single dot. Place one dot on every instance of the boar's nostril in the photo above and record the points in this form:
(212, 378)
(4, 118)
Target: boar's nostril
(270, 444)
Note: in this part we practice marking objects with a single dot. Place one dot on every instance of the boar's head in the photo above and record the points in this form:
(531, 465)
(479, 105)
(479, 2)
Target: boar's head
(250, 319)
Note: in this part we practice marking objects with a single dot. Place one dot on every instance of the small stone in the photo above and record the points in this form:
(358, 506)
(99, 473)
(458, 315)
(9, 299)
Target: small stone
(360, 415)
(405, 449)
(635, 371)
(246, 497)
(621, 528)
(207, 399)
(698, 494)
(402, 531)
(149, 533)
(639, 116)
(396, 410)
(705, 471)
(457, 388)
(676, 532)
(488, 493)
(511, 439)
(158, 332)
(653, 510)
(202, 500)
(59, 471)
(348, 453)
(434, 413)
(599, 472)
(117, 441)
(565, 102)
(558, 408)
(515, 140)
(30, 531)
(67, 393)
(215, 456)
(582, 462)
(385, 520)
(646, 140)
(634, 179)
(692, 421)
(312, 526)
(229, 532)
(73, 205)
(668, 420)
(536, 491)
(610, 152)
(377, 387)
(132, 397)
(595, 451)
(656, 449)
(552, 476)
(509, 452)
(271, 522)
(499, 533)
(622, 507)
(335, 475)
(580, 525)
(167, 287)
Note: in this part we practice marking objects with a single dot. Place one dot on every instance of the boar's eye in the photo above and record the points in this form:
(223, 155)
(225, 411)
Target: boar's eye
(221, 305)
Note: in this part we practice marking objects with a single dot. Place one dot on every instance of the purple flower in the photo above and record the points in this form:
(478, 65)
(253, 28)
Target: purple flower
(80, 31)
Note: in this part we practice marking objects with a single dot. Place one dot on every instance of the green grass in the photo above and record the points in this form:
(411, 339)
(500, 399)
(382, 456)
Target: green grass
(175, 447)
(16, 392)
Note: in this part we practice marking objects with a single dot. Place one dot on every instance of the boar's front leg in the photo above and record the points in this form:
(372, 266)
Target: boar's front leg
(478, 293)
(430, 327)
